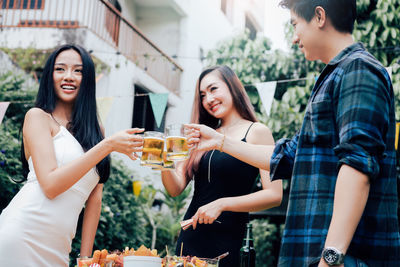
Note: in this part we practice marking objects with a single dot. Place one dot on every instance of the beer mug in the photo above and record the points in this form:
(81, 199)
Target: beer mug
(177, 147)
(153, 148)
(167, 164)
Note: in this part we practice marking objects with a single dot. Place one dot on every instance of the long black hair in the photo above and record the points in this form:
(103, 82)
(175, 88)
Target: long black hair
(84, 124)
(241, 103)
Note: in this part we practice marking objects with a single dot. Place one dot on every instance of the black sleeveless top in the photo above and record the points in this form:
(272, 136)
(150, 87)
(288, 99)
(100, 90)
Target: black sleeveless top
(219, 175)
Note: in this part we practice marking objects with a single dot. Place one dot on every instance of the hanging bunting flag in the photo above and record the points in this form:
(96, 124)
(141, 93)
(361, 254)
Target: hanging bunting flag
(3, 109)
(103, 107)
(266, 91)
(158, 104)
(389, 70)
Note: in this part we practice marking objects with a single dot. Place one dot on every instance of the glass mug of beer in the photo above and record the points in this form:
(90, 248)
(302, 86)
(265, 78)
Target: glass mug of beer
(153, 148)
(177, 147)
(167, 164)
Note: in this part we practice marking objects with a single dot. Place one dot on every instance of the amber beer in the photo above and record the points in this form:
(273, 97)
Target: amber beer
(167, 164)
(153, 146)
(177, 148)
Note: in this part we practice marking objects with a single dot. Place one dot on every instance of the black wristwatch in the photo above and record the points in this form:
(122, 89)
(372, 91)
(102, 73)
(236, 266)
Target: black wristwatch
(332, 256)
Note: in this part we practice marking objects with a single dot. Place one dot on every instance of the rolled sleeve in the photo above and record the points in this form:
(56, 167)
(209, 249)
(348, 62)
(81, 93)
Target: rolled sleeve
(357, 158)
(282, 160)
(362, 119)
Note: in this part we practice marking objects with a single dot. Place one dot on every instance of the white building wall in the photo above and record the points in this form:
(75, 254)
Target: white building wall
(161, 25)
(203, 28)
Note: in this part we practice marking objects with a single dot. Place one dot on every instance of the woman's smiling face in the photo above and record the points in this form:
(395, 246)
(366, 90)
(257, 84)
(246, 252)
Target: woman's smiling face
(67, 75)
(215, 95)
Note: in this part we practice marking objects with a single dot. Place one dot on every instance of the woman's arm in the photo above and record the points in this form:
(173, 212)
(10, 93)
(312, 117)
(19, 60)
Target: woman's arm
(174, 181)
(55, 180)
(91, 220)
(205, 138)
(270, 196)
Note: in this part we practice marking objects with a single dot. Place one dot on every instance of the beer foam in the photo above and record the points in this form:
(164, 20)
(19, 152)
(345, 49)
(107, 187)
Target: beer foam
(154, 137)
(176, 136)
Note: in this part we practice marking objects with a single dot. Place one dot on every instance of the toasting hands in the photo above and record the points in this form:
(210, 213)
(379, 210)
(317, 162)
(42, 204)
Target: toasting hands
(201, 137)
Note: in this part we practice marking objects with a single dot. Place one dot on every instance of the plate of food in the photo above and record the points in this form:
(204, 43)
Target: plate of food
(187, 261)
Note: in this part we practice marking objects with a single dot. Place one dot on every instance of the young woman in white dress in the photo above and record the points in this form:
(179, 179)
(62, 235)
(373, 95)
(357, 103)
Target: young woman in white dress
(66, 162)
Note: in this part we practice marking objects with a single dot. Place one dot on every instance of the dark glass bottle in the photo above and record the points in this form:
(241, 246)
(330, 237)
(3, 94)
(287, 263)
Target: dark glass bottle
(247, 252)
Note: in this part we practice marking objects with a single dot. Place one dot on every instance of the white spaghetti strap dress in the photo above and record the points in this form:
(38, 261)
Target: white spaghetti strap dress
(37, 231)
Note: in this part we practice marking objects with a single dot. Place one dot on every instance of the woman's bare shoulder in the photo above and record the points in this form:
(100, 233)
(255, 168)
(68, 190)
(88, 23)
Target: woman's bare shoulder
(36, 113)
(260, 134)
(36, 117)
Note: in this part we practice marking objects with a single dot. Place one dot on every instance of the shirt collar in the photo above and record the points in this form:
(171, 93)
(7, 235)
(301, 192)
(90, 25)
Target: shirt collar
(346, 52)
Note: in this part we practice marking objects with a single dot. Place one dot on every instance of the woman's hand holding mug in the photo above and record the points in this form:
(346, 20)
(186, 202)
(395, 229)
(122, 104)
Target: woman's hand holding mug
(127, 142)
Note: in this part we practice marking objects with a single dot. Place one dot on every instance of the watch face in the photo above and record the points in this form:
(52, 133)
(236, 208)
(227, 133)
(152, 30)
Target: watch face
(330, 256)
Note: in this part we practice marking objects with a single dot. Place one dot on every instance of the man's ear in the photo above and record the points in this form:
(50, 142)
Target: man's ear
(320, 16)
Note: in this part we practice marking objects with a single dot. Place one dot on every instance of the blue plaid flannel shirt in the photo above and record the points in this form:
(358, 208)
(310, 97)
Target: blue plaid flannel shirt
(349, 120)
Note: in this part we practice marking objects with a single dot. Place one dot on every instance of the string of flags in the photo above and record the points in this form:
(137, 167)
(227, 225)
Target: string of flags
(159, 101)
(3, 109)
(158, 104)
(266, 91)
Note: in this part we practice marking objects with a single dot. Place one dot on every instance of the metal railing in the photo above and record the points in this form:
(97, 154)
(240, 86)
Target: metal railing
(103, 19)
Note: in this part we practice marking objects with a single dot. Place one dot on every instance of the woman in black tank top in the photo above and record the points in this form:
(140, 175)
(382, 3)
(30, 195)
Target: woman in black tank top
(222, 184)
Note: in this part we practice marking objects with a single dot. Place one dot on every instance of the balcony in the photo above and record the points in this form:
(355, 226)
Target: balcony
(104, 20)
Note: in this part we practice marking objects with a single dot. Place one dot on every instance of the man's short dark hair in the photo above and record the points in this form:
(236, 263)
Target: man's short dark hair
(342, 13)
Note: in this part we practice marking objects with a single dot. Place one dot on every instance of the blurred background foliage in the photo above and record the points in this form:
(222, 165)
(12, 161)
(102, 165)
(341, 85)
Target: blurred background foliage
(32, 60)
(10, 164)
(152, 217)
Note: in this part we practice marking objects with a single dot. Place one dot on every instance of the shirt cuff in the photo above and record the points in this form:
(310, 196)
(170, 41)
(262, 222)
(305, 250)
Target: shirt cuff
(281, 163)
(358, 158)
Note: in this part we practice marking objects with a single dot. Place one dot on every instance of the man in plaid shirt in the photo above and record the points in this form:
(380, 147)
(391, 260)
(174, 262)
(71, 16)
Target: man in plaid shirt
(343, 199)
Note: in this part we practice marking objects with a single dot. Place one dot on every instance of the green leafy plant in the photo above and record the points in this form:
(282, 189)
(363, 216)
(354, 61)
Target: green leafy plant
(177, 204)
(163, 224)
(170, 221)
(10, 164)
(267, 238)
